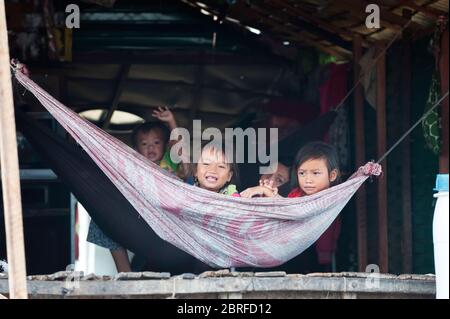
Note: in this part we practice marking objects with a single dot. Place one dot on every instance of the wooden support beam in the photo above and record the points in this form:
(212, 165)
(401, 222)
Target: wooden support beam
(121, 79)
(297, 11)
(427, 10)
(197, 94)
(321, 28)
(240, 10)
(405, 124)
(381, 149)
(10, 172)
(173, 84)
(443, 67)
(174, 58)
(360, 157)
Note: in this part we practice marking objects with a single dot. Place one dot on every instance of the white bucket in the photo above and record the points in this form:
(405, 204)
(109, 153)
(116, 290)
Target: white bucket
(440, 240)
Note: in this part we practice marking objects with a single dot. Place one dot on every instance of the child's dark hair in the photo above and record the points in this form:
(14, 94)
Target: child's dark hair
(230, 161)
(316, 150)
(150, 126)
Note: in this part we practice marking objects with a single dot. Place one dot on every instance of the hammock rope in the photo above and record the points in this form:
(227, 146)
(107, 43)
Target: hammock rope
(412, 128)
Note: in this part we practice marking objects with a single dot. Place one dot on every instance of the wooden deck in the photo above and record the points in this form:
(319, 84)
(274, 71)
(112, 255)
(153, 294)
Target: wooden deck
(224, 284)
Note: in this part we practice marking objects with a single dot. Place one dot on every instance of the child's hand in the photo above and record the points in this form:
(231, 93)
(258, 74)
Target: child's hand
(269, 184)
(165, 115)
(269, 191)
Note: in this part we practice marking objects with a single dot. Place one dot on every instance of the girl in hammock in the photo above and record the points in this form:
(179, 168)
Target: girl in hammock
(215, 172)
(315, 168)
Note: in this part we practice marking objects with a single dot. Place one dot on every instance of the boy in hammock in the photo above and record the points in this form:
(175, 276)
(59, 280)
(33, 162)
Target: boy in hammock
(150, 139)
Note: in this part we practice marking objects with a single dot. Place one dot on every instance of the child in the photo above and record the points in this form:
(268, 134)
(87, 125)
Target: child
(315, 168)
(269, 184)
(150, 139)
(280, 177)
(214, 172)
(217, 173)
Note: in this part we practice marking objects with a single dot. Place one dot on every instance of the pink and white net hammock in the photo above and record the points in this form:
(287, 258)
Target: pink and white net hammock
(221, 231)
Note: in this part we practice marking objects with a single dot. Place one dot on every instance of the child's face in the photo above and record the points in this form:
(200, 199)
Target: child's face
(313, 176)
(280, 177)
(151, 145)
(212, 170)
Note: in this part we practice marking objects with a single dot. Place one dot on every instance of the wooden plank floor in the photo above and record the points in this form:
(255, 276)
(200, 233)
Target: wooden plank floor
(224, 284)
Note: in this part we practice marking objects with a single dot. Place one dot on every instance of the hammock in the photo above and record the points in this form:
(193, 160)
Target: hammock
(221, 231)
(111, 210)
(114, 214)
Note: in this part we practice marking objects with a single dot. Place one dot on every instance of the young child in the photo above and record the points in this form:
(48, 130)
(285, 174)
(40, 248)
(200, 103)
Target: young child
(269, 184)
(217, 173)
(315, 168)
(150, 139)
(214, 172)
(280, 177)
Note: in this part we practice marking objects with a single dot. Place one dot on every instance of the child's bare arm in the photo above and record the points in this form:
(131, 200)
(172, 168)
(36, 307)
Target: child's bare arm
(265, 189)
(257, 191)
(165, 115)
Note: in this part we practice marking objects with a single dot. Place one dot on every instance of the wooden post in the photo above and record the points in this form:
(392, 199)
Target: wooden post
(443, 67)
(405, 89)
(10, 172)
(360, 200)
(381, 149)
(197, 92)
(121, 81)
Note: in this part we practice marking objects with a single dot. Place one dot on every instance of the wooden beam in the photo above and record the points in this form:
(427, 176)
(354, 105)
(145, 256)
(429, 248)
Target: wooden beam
(381, 149)
(323, 29)
(429, 11)
(360, 157)
(174, 84)
(121, 79)
(10, 172)
(197, 93)
(173, 58)
(241, 11)
(48, 13)
(253, 286)
(443, 67)
(405, 92)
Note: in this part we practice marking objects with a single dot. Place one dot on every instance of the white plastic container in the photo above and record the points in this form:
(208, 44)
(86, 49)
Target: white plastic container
(441, 237)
